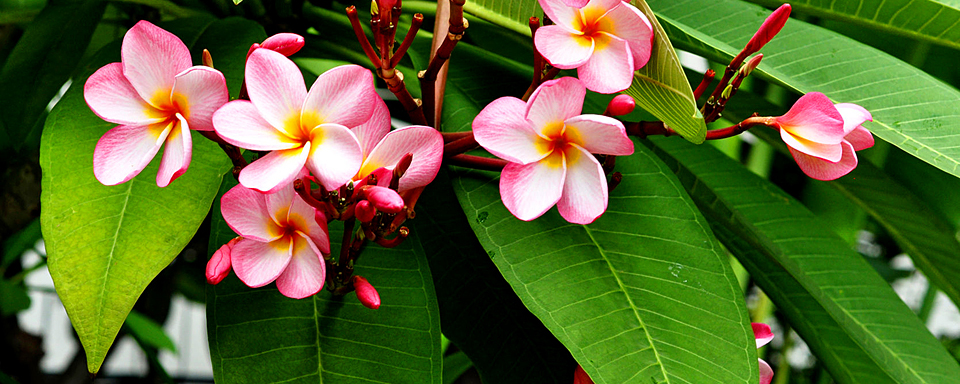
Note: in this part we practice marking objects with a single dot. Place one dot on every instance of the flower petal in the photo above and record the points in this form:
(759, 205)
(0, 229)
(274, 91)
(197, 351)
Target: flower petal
(555, 101)
(343, 95)
(762, 333)
(766, 373)
(304, 275)
(824, 170)
(575, 3)
(276, 88)
(829, 152)
(245, 211)
(373, 130)
(502, 129)
(610, 68)
(200, 91)
(853, 115)
(628, 23)
(257, 263)
(125, 150)
(426, 145)
(313, 226)
(561, 14)
(584, 188)
(279, 202)
(599, 134)
(814, 118)
(273, 171)
(112, 98)
(335, 155)
(530, 190)
(860, 138)
(176, 153)
(562, 48)
(152, 58)
(284, 43)
(239, 123)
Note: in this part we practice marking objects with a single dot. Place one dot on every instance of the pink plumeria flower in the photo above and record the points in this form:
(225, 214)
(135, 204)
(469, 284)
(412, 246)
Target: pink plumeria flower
(284, 239)
(302, 129)
(763, 335)
(157, 97)
(549, 144)
(383, 148)
(606, 40)
(823, 137)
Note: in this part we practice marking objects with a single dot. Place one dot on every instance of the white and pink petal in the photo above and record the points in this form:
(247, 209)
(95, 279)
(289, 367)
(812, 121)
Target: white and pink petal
(276, 88)
(813, 117)
(563, 48)
(600, 134)
(825, 170)
(258, 263)
(177, 153)
(555, 101)
(528, 191)
(502, 129)
(152, 58)
(426, 145)
(245, 211)
(110, 96)
(610, 68)
(305, 274)
(829, 152)
(343, 95)
(239, 123)
(853, 115)
(200, 91)
(335, 155)
(125, 150)
(275, 170)
(584, 188)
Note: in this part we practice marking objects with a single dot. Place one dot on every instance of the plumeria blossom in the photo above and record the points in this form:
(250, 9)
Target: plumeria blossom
(283, 239)
(157, 97)
(606, 40)
(764, 335)
(302, 129)
(549, 145)
(823, 137)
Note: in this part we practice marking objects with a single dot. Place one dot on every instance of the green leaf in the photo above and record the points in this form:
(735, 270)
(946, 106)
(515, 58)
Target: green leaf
(454, 366)
(510, 14)
(855, 324)
(478, 309)
(662, 88)
(148, 332)
(13, 298)
(41, 63)
(105, 244)
(930, 20)
(258, 335)
(644, 294)
(20, 242)
(911, 109)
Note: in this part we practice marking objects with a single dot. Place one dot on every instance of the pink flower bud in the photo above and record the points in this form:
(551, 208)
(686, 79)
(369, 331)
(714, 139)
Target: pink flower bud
(621, 105)
(284, 43)
(367, 295)
(384, 199)
(219, 265)
(750, 65)
(364, 211)
(580, 377)
(770, 27)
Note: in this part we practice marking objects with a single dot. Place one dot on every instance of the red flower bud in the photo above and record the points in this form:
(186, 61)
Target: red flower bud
(770, 27)
(367, 295)
(284, 43)
(621, 105)
(364, 211)
(219, 265)
(384, 199)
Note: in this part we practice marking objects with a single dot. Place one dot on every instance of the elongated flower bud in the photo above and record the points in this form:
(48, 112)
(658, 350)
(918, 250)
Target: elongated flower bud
(284, 43)
(750, 65)
(220, 264)
(770, 27)
(367, 295)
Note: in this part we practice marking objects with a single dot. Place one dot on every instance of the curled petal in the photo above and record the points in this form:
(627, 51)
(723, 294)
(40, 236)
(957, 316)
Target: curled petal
(503, 130)
(257, 263)
(304, 218)
(335, 155)
(600, 134)
(245, 211)
(563, 48)
(280, 201)
(152, 58)
(306, 271)
(343, 95)
(239, 123)
(426, 145)
(273, 171)
(829, 152)
(610, 68)
(628, 23)
(825, 170)
(766, 373)
(126, 149)
(762, 333)
(284, 43)
(555, 101)
(176, 153)
(562, 14)
(813, 117)
(860, 138)
(373, 130)
(200, 91)
(853, 115)
(584, 188)
(276, 88)
(112, 98)
(530, 190)
(219, 265)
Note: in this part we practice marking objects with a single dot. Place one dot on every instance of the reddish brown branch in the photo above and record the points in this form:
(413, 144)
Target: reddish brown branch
(428, 77)
(459, 146)
(477, 162)
(408, 39)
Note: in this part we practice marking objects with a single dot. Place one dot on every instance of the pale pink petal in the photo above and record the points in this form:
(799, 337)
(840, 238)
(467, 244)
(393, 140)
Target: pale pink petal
(601, 6)
(200, 91)
(766, 373)
(257, 263)
(562, 48)
(245, 211)
(824, 170)
(553, 102)
(628, 23)
(306, 272)
(373, 130)
(239, 123)
(275, 170)
(152, 58)
(112, 98)
(610, 68)
(853, 115)
(335, 155)
(762, 333)
(829, 152)
(530, 190)
(177, 153)
(575, 3)
(584, 188)
(860, 138)
(343, 95)
(313, 226)
(502, 129)
(125, 150)
(814, 118)
(279, 202)
(599, 134)
(276, 88)
(284, 43)
(426, 145)
(561, 14)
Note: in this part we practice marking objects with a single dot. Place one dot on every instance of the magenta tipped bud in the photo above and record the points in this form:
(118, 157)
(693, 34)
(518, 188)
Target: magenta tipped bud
(284, 43)
(366, 293)
(750, 65)
(364, 211)
(402, 165)
(219, 265)
(770, 27)
(621, 105)
(383, 199)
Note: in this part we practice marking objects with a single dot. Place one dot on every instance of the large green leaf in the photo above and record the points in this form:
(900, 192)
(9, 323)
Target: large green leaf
(105, 244)
(911, 109)
(513, 15)
(260, 336)
(41, 63)
(848, 315)
(662, 89)
(931, 20)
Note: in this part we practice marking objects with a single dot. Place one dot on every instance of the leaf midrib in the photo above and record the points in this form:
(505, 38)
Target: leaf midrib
(106, 274)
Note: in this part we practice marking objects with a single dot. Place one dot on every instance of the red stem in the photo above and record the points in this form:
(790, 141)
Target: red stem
(477, 162)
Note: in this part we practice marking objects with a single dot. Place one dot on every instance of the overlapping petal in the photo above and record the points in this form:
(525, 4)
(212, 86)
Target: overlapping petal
(313, 225)
(502, 129)
(305, 273)
(555, 101)
(239, 123)
(826, 170)
(426, 145)
(200, 91)
(610, 68)
(860, 138)
(152, 58)
(335, 155)
(373, 130)
(257, 263)
(529, 190)
(177, 153)
(600, 134)
(125, 150)
(563, 48)
(276, 88)
(111, 96)
(830, 152)
(853, 115)
(584, 188)
(343, 95)
(245, 211)
(628, 23)
(561, 13)
(275, 170)
(814, 118)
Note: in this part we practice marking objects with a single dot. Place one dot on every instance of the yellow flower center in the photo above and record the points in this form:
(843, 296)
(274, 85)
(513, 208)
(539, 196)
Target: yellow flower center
(559, 144)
